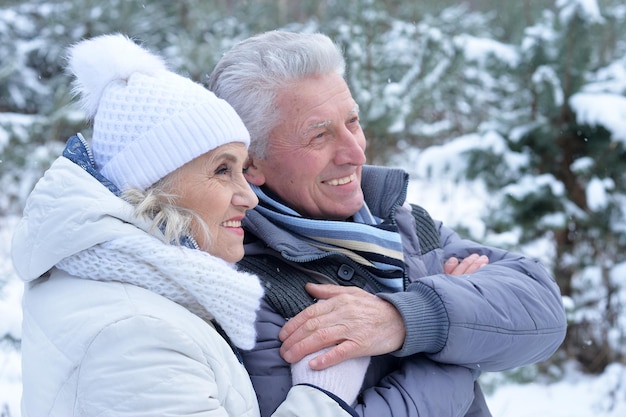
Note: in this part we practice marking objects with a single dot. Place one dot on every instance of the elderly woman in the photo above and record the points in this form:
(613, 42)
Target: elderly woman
(132, 305)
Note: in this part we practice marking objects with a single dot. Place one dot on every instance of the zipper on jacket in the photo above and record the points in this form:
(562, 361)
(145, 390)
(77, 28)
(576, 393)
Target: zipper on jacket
(83, 141)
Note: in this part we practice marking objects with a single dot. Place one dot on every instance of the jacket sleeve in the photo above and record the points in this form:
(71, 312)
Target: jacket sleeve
(420, 388)
(145, 366)
(507, 314)
(416, 387)
(307, 400)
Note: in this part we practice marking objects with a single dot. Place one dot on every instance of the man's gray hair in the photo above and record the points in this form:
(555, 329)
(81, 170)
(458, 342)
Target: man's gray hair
(250, 75)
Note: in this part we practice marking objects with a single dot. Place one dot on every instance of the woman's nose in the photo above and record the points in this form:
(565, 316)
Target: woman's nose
(244, 196)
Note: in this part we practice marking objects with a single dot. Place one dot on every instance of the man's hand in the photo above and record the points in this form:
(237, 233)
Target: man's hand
(468, 265)
(352, 320)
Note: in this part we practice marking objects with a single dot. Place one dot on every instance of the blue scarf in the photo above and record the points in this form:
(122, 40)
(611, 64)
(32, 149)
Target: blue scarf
(367, 239)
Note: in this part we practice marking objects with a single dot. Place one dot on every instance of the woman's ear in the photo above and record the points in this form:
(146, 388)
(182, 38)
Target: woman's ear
(254, 175)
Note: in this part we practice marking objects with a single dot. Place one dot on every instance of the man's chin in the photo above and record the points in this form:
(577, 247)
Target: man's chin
(345, 213)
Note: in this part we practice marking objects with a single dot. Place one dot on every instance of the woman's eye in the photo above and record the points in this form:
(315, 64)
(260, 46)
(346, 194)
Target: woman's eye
(222, 170)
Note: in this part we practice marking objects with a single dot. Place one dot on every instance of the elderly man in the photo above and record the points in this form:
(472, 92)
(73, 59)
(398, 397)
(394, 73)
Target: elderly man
(330, 228)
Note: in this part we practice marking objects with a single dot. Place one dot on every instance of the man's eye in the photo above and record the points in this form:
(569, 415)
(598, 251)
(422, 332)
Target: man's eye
(319, 137)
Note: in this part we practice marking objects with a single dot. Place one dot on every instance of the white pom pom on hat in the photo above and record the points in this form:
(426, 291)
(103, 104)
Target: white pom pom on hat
(147, 121)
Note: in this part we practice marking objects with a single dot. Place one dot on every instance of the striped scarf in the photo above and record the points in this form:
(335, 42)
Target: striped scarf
(367, 239)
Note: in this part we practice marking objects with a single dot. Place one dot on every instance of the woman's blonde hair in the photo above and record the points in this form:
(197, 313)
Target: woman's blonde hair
(158, 203)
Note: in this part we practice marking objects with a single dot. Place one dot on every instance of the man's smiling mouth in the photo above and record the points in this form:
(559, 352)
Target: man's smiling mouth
(341, 181)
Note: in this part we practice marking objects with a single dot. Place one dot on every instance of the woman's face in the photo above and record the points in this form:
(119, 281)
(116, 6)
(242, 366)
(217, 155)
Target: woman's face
(213, 186)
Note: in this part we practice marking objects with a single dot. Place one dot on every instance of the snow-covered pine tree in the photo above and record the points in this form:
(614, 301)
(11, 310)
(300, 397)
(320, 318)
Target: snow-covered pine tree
(561, 177)
(409, 77)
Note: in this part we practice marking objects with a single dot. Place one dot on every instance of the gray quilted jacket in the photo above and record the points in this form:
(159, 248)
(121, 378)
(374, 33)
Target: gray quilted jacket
(507, 314)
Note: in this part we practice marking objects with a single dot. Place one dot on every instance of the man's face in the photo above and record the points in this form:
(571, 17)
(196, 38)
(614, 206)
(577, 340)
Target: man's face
(316, 151)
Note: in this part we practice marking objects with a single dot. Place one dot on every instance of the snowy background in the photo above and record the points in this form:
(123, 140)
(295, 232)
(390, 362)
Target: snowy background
(449, 80)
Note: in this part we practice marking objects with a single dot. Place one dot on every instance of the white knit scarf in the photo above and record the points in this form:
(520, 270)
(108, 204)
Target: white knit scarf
(206, 285)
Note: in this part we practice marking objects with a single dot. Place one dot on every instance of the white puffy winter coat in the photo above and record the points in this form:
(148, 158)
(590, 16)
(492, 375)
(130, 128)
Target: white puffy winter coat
(94, 348)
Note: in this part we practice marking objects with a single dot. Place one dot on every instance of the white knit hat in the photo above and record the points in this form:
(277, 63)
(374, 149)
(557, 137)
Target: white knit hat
(148, 121)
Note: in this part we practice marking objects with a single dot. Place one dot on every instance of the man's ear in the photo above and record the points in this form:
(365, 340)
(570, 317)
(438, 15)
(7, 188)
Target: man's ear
(254, 174)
